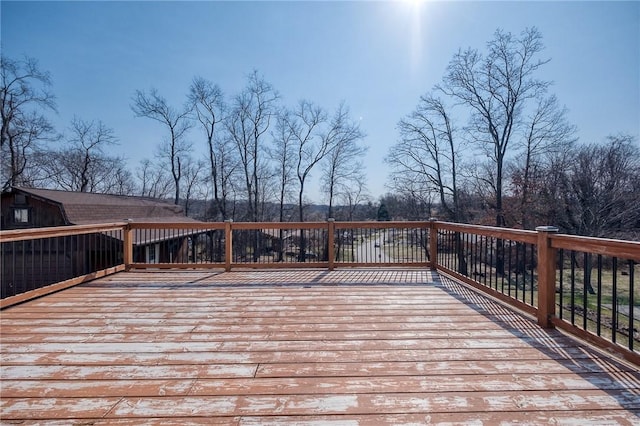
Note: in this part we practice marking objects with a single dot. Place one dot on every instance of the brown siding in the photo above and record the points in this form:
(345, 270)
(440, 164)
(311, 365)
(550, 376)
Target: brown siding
(41, 213)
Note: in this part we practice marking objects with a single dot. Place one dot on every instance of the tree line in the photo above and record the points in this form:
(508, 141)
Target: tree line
(516, 160)
(259, 152)
(489, 144)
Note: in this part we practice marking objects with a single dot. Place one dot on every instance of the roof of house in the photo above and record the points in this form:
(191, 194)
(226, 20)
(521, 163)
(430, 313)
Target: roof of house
(86, 208)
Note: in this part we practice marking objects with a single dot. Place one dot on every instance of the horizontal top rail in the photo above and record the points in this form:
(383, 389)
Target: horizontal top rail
(382, 225)
(279, 225)
(57, 231)
(520, 235)
(177, 225)
(605, 246)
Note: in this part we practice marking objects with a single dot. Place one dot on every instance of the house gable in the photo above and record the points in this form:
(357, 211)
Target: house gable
(34, 208)
(22, 210)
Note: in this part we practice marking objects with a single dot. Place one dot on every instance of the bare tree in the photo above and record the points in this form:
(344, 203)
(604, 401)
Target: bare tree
(155, 107)
(283, 155)
(343, 166)
(416, 194)
(193, 183)
(248, 123)
(268, 190)
(497, 89)
(552, 192)
(209, 106)
(547, 133)
(89, 140)
(604, 199)
(121, 180)
(153, 180)
(427, 155)
(24, 94)
(83, 164)
(228, 174)
(353, 195)
(105, 174)
(592, 190)
(311, 143)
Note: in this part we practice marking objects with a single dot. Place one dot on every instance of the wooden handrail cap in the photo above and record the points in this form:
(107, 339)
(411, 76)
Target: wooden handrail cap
(547, 229)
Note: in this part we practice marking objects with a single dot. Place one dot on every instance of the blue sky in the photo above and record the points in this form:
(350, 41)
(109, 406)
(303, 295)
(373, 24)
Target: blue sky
(378, 57)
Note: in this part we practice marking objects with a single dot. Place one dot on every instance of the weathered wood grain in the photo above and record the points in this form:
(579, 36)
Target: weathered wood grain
(297, 347)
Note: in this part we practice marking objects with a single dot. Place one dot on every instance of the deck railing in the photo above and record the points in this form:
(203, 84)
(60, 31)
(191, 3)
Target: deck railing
(280, 245)
(40, 260)
(585, 286)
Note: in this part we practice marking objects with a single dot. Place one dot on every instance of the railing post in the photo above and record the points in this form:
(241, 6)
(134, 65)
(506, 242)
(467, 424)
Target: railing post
(433, 243)
(127, 249)
(547, 257)
(331, 228)
(228, 244)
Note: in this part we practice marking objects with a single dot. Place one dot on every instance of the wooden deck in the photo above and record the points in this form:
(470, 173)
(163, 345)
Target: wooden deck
(301, 347)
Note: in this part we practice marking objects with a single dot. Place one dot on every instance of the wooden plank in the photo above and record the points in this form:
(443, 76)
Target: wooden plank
(308, 356)
(199, 226)
(271, 308)
(311, 385)
(131, 372)
(57, 231)
(605, 246)
(227, 336)
(469, 368)
(382, 225)
(186, 318)
(270, 346)
(410, 384)
(373, 403)
(55, 408)
(520, 235)
(102, 327)
(582, 418)
(96, 388)
(327, 404)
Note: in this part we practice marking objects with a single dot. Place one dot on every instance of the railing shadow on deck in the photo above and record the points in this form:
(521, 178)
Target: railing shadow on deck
(584, 286)
(295, 278)
(618, 379)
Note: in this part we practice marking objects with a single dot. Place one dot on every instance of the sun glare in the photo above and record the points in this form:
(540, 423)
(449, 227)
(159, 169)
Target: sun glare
(414, 4)
(416, 37)
(415, 11)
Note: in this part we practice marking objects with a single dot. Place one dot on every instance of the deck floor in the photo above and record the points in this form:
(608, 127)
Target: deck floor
(301, 347)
